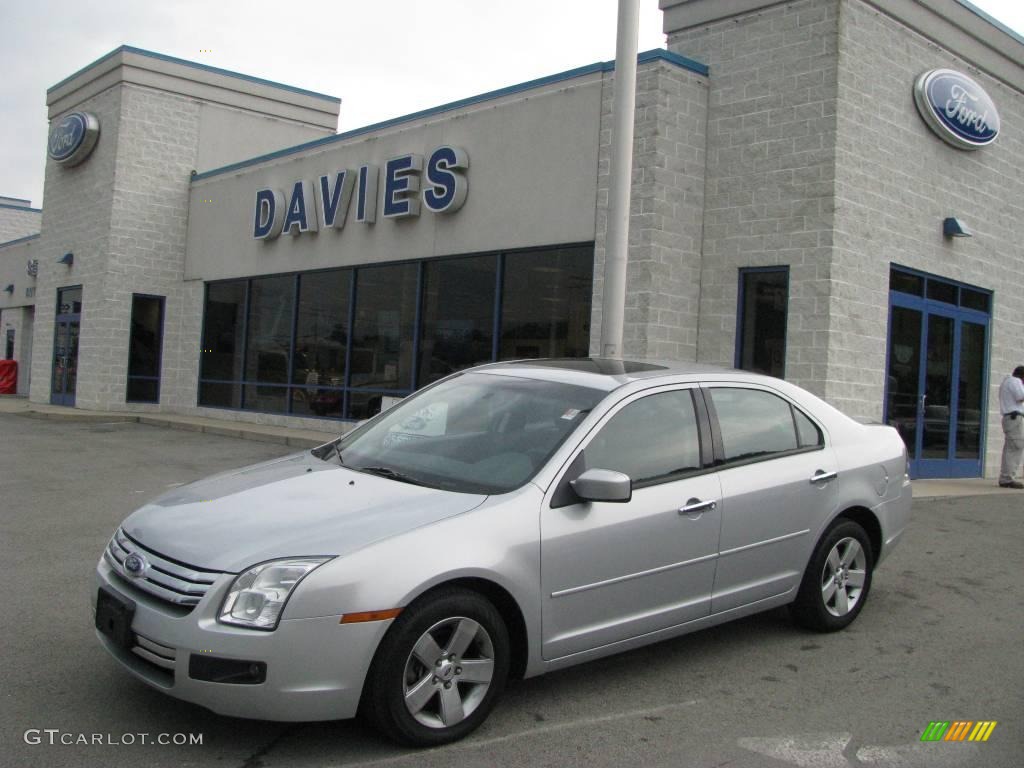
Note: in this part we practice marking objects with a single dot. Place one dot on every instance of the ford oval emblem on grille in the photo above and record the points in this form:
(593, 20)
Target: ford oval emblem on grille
(135, 565)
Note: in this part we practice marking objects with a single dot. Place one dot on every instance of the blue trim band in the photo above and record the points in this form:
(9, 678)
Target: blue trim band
(991, 20)
(673, 58)
(20, 240)
(20, 208)
(194, 65)
(601, 66)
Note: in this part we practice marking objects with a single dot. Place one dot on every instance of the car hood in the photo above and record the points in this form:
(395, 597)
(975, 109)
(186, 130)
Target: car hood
(289, 507)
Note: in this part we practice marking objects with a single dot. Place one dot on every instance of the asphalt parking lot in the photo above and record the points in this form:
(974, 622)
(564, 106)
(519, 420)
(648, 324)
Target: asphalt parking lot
(939, 639)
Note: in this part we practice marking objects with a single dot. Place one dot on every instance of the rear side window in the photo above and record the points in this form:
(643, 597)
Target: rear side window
(653, 439)
(807, 431)
(755, 423)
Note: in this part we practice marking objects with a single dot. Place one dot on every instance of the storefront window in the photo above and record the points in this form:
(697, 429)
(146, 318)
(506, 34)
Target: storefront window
(546, 303)
(382, 335)
(458, 316)
(321, 343)
(144, 349)
(269, 342)
(221, 359)
(761, 321)
(341, 343)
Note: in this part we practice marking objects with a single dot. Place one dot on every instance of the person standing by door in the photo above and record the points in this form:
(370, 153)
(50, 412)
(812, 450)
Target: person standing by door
(1011, 406)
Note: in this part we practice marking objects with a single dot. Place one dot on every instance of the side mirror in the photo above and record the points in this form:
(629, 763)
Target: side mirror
(603, 485)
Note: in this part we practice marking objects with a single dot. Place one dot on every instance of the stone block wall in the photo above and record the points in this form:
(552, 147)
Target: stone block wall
(76, 219)
(18, 221)
(159, 134)
(895, 183)
(770, 172)
(663, 272)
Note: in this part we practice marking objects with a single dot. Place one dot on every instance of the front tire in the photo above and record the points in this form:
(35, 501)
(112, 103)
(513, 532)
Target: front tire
(837, 580)
(438, 670)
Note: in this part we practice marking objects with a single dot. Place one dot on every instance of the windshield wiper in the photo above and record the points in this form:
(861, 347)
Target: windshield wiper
(391, 474)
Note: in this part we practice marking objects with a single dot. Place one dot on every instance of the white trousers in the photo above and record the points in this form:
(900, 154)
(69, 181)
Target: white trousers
(1013, 447)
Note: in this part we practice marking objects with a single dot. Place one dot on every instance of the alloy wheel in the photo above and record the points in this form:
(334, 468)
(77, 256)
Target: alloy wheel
(449, 672)
(843, 576)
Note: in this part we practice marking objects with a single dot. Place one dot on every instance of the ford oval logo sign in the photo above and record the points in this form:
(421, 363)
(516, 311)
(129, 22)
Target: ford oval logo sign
(73, 137)
(956, 108)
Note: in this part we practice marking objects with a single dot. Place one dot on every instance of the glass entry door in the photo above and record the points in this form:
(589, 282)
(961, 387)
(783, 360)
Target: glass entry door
(65, 346)
(936, 373)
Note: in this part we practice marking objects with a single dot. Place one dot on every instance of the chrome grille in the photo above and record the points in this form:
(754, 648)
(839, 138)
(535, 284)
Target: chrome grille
(167, 580)
(155, 653)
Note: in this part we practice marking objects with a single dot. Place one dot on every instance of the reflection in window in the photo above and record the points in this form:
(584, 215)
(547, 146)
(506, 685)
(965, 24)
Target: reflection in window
(144, 349)
(764, 300)
(458, 315)
(651, 439)
(69, 300)
(942, 291)
(218, 395)
(904, 373)
(938, 388)
(546, 303)
(221, 358)
(382, 335)
(753, 422)
(807, 431)
(905, 282)
(970, 396)
(321, 342)
(976, 300)
(271, 309)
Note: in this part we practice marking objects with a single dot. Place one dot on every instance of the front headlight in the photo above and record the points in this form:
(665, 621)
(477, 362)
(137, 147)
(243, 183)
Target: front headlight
(258, 595)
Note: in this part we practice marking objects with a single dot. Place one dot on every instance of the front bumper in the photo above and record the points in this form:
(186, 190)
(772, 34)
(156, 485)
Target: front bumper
(315, 667)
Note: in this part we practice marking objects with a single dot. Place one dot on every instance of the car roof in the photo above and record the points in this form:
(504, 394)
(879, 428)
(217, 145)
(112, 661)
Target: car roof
(609, 373)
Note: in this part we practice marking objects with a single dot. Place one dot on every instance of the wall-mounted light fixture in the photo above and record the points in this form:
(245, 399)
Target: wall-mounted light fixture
(9, 288)
(953, 227)
(68, 258)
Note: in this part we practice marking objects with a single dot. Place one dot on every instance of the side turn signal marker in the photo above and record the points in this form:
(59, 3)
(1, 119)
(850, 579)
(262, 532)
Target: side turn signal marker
(359, 618)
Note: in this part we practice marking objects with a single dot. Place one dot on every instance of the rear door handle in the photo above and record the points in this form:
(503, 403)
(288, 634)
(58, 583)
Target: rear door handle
(696, 507)
(821, 476)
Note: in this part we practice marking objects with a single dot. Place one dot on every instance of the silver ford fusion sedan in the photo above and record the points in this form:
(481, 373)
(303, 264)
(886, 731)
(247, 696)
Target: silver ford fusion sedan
(512, 519)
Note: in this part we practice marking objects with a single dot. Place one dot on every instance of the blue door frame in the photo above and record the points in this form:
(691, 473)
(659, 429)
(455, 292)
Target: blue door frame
(924, 419)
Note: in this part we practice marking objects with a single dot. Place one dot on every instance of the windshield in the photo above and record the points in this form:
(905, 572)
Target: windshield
(475, 433)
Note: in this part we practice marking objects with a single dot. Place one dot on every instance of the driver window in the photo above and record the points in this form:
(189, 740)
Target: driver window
(652, 440)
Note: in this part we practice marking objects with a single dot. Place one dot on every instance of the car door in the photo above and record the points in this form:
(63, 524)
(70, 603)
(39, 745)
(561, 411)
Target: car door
(778, 481)
(612, 571)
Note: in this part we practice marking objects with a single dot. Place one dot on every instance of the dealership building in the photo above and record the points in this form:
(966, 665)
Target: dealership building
(829, 191)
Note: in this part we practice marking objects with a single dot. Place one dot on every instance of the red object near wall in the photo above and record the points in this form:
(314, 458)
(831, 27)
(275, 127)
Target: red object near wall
(8, 377)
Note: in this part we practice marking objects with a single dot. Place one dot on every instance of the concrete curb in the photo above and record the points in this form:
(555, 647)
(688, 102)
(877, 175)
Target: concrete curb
(279, 435)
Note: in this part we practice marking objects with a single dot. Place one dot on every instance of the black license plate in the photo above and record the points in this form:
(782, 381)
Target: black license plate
(114, 617)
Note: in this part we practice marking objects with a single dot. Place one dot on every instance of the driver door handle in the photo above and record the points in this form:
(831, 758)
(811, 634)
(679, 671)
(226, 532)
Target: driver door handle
(821, 476)
(697, 507)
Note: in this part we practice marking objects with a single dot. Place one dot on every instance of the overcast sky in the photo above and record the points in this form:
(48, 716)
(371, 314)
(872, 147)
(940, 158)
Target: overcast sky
(382, 58)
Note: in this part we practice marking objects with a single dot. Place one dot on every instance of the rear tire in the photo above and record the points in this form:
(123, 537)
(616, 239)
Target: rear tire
(837, 580)
(439, 669)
